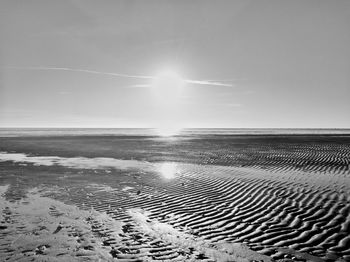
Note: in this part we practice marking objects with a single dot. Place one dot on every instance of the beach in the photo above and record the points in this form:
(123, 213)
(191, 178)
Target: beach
(191, 197)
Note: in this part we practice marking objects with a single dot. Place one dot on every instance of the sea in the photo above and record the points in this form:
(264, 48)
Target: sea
(13, 132)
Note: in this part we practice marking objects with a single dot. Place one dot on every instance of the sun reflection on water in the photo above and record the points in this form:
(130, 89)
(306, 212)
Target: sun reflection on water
(168, 131)
(168, 170)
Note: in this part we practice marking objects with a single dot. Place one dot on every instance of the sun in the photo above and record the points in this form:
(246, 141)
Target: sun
(167, 85)
(169, 78)
(167, 89)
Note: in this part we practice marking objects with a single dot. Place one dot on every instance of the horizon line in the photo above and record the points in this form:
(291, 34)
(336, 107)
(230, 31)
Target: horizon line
(203, 127)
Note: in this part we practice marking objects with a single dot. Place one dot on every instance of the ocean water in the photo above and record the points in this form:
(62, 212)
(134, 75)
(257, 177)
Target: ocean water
(14, 132)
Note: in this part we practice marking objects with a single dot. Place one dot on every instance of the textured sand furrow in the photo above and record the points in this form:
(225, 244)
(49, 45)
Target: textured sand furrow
(285, 216)
(248, 231)
(287, 198)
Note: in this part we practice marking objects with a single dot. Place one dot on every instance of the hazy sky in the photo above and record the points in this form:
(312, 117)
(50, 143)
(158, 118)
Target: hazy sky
(289, 62)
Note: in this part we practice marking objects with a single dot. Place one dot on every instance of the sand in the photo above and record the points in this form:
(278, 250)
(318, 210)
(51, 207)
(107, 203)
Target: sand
(235, 199)
(44, 229)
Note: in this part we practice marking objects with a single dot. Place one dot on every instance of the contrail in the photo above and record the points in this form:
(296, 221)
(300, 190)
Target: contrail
(198, 82)
(77, 70)
(205, 82)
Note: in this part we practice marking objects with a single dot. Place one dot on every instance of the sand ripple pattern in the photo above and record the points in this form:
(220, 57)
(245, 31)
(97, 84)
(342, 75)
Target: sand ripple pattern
(283, 215)
(284, 200)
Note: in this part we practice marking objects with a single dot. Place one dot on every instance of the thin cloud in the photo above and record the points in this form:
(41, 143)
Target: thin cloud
(78, 70)
(205, 82)
(140, 86)
(197, 82)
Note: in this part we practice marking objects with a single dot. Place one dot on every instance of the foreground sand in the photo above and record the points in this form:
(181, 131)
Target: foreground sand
(42, 229)
(287, 202)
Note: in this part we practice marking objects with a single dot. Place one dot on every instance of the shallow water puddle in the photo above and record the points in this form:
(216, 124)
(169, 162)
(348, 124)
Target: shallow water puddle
(77, 162)
(167, 170)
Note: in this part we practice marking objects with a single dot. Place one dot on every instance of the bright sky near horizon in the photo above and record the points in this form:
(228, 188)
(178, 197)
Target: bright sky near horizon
(197, 63)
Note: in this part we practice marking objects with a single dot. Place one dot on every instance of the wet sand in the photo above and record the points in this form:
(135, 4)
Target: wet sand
(202, 198)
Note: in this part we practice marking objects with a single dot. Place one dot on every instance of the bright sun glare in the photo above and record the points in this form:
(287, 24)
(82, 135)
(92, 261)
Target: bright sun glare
(168, 170)
(168, 130)
(167, 88)
(168, 85)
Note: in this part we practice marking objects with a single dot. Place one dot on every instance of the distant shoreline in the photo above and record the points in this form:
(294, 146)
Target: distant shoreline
(152, 132)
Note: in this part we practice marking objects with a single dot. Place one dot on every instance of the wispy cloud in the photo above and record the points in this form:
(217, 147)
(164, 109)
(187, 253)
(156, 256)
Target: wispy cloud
(77, 70)
(206, 82)
(190, 81)
(140, 86)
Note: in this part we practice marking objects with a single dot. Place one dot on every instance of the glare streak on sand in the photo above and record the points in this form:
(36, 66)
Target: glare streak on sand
(168, 170)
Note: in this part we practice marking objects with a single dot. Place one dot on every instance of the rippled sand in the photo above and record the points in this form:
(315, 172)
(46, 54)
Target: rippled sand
(211, 198)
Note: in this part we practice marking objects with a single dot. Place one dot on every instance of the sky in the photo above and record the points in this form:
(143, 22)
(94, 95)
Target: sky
(253, 64)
